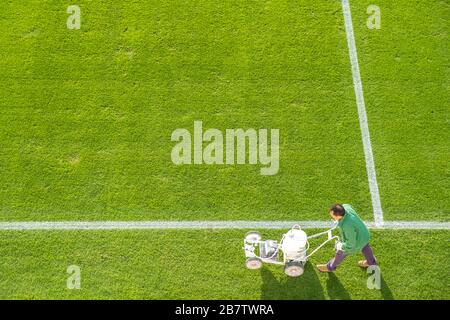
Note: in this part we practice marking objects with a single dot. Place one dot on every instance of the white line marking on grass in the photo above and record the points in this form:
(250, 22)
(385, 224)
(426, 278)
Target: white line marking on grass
(239, 224)
(162, 224)
(414, 225)
(370, 164)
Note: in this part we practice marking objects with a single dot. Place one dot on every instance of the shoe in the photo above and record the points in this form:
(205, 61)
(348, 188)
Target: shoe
(363, 264)
(323, 268)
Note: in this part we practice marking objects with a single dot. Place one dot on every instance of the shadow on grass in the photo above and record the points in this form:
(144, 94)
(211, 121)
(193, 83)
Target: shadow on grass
(385, 290)
(307, 286)
(335, 289)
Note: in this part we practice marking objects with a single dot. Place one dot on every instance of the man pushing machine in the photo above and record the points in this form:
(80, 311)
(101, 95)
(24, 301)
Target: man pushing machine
(355, 237)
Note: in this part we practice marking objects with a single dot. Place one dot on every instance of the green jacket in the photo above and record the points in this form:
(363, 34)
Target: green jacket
(354, 233)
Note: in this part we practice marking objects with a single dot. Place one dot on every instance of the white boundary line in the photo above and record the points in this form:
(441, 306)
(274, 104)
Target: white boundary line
(229, 224)
(370, 164)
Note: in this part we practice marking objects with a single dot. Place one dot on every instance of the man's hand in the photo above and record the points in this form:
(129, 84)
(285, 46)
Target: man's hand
(338, 246)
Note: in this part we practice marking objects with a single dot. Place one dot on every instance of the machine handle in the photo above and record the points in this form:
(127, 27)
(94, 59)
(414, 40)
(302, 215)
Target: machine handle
(324, 243)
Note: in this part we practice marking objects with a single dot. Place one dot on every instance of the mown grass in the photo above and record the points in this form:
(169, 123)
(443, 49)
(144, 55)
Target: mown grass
(405, 68)
(209, 264)
(87, 117)
(89, 113)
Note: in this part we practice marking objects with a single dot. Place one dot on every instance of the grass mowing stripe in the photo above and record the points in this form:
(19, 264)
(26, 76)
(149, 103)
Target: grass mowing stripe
(370, 163)
(230, 224)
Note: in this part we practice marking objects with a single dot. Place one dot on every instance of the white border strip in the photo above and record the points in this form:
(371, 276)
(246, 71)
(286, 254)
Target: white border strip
(230, 224)
(370, 164)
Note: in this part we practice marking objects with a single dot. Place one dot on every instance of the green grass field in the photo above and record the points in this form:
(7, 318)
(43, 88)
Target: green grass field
(406, 74)
(87, 117)
(209, 265)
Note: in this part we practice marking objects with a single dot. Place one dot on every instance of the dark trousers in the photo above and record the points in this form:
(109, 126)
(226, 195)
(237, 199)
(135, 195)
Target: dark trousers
(340, 256)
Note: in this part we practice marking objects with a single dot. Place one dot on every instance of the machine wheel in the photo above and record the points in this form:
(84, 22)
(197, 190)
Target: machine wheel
(293, 269)
(253, 263)
(252, 237)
